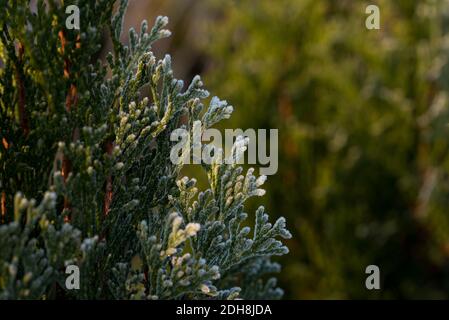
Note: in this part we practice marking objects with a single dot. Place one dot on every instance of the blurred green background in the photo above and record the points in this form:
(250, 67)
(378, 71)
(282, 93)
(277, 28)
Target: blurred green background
(363, 129)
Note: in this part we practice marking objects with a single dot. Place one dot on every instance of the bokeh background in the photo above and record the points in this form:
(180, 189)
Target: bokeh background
(363, 129)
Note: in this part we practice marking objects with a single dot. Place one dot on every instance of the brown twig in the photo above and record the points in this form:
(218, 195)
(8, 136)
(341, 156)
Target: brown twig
(3, 207)
(108, 189)
(3, 198)
(71, 101)
(5, 143)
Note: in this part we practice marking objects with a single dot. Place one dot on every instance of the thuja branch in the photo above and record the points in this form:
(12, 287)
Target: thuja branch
(114, 205)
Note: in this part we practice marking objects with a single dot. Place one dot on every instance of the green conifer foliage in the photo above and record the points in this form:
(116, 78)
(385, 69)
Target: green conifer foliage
(86, 176)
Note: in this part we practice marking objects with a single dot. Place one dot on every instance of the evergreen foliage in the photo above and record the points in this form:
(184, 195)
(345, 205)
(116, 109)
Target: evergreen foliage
(86, 177)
